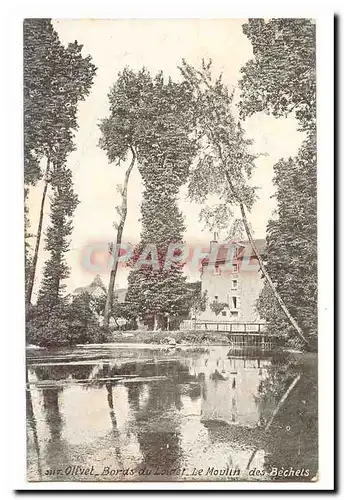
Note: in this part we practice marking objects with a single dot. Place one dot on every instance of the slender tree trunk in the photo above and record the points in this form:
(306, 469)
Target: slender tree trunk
(32, 272)
(115, 252)
(262, 266)
(254, 248)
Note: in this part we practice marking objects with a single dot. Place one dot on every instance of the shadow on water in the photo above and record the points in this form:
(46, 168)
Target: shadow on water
(295, 427)
(32, 424)
(115, 432)
(160, 411)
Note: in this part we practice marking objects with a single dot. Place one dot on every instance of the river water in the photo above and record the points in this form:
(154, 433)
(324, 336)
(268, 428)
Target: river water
(138, 413)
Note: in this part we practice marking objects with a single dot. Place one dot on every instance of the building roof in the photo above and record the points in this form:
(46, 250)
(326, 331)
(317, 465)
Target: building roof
(96, 283)
(245, 250)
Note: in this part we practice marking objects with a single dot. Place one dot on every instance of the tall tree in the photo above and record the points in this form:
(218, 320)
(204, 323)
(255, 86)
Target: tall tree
(63, 204)
(50, 323)
(49, 319)
(291, 252)
(281, 79)
(150, 121)
(157, 294)
(56, 78)
(122, 133)
(158, 291)
(225, 162)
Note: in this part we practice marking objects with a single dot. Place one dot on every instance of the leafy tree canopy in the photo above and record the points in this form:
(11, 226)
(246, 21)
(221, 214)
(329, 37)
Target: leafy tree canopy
(152, 118)
(56, 78)
(151, 115)
(291, 251)
(281, 77)
(224, 153)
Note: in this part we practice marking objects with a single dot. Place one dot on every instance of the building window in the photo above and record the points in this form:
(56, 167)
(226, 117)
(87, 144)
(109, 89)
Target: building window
(216, 297)
(224, 313)
(217, 270)
(234, 313)
(235, 268)
(234, 284)
(235, 303)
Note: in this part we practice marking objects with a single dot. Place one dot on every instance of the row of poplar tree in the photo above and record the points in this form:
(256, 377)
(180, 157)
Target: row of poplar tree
(175, 134)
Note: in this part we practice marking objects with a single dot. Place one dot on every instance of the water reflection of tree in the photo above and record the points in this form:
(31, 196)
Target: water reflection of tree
(63, 372)
(31, 419)
(156, 418)
(106, 371)
(56, 450)
(292, 439)
(156, 423)
(134, 394)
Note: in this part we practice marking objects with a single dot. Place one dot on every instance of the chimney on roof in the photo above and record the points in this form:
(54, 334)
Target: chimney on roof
(215, 240)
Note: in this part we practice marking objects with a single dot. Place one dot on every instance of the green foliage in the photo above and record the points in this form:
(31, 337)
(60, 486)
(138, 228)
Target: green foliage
(83, 320)
(291, 252)
(152, 117)
(160, 293)
(27, 235)
(118, 311)
(56, 78)
(48, 328)
(124, 128)
(217, 307)
(196, 300)
(225, 163)
(223, 149)
(63, 204)
(237, 230)
(64, 323)
(281, 77)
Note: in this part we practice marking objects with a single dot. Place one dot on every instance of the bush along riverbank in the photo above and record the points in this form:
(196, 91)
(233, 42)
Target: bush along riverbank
(165, 338)
(74, 324)
(194, 337)
(168, 338)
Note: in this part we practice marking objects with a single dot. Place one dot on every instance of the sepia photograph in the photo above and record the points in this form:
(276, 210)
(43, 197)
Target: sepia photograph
(171, 250)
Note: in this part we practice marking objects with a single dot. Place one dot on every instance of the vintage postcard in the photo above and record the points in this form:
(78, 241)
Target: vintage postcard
(171, 250)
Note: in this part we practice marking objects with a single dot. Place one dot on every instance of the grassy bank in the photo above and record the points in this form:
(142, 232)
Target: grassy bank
(193, 337)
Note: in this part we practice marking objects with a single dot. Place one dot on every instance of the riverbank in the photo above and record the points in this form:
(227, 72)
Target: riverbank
(195, 337)
(166, 338)
(176, 337)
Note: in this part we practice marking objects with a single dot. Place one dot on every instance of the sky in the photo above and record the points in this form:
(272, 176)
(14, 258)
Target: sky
(157, 45)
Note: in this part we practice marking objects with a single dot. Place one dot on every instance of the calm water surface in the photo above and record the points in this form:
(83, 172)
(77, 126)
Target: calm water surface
(135, 413)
